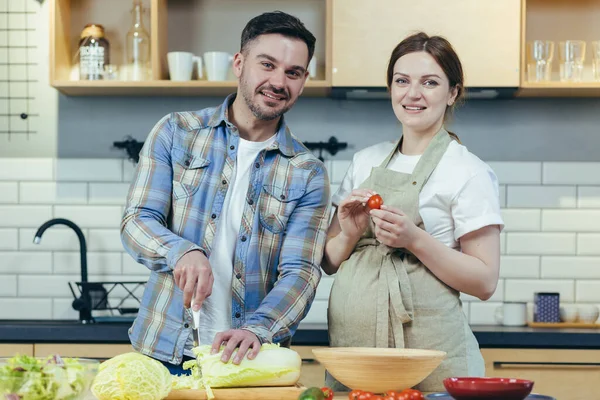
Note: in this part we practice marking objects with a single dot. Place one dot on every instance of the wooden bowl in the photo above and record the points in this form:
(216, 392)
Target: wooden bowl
(379, 369)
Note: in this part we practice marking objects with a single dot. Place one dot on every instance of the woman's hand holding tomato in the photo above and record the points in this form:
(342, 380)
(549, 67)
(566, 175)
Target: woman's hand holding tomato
(353, 215)
(393, 228)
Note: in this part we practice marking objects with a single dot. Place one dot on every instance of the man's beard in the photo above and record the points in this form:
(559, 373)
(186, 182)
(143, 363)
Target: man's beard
(255, 108)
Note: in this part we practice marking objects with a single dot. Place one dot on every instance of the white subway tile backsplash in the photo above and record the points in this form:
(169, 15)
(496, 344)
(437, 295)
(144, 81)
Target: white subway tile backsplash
(9, 192)
(55, 238)
(588, 243)
(105, 240)
(130, 266)
(317, 313)
(542, 196)
(324, 288)
(524, 289)
(53, 192)
(338, 170)
(483, 313)
(8, 285)
(97, 263)
(19, 216)
(25, 308)
(517, 172)
(571, 173)
(588, 291)
(90, 216)
(519, 266)
(588, 197)
(46, 285)
(23, 263)
(89, 170)
(570, 267)
(570, 220)
(521, 220)
(128, 171)
(9, 239)
(497, 296)
(108, 193)
(63, 309)
(520, 243)
(26, 169)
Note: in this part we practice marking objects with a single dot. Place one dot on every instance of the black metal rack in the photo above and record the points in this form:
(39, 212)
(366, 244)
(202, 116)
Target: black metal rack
(99, 296)
(332, 146)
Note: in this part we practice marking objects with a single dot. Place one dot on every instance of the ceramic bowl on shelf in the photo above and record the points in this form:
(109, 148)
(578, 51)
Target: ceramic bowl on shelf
(472, 388)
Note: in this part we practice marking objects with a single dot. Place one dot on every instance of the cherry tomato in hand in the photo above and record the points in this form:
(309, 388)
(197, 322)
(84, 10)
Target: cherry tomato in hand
(375, 202)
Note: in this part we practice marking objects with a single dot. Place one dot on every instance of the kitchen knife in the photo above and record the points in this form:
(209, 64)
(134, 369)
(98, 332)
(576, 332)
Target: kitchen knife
(196, 327)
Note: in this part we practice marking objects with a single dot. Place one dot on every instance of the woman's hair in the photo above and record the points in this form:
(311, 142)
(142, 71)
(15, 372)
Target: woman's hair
(442, 52)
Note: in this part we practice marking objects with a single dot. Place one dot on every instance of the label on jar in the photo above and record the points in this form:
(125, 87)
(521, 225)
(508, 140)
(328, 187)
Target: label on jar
(91, 60)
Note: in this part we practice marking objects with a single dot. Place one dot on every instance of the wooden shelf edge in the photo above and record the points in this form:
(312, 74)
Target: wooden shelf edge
(313, 88)
(559, 89)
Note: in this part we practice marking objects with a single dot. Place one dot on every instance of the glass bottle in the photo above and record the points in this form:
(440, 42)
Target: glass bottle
(137, 46)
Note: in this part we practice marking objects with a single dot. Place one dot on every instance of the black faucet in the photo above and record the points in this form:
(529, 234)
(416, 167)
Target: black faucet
(83, 303)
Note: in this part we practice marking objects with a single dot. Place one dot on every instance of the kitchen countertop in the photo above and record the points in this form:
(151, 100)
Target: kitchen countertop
(489, 336)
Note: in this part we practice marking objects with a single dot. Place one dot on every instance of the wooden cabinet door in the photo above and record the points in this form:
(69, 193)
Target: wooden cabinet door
(562, 374)
(312, 373)
(485, 34)
(11, 350)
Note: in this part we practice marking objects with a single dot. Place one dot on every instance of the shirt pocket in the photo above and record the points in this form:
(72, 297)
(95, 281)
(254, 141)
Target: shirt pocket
(276, 204)
(188, 173)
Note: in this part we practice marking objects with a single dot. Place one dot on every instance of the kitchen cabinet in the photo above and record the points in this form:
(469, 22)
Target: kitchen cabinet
(556, 21)
(195, 26)
(485, 34)
(12, 349)
(312, 373)
(563, 374)
(98, 351)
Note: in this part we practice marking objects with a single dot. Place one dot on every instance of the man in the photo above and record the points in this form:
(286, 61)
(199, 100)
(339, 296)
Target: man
(229, 210)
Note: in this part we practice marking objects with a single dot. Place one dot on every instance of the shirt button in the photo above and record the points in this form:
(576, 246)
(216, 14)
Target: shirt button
(282, 197)
(213, 216)
(237, 315)
(238, 275)
(243, 238)
(232, 147)
(256, 165)
(224, 182)
(186, 326)
(250, 201)
(187, 162)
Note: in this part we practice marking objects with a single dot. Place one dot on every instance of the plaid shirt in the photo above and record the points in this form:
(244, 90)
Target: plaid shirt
(174, 206)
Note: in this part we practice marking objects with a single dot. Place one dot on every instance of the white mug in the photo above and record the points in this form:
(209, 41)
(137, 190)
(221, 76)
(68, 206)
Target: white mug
(512, 314)
(217, 65)
(181, 65)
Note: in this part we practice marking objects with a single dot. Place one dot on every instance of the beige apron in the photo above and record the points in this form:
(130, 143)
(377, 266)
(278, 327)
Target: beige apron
(385, 297)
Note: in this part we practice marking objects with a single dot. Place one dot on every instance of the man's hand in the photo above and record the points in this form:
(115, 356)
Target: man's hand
(233, 338)
(194, 276)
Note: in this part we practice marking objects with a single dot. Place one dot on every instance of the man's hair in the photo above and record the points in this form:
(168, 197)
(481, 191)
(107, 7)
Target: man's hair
(281, 23)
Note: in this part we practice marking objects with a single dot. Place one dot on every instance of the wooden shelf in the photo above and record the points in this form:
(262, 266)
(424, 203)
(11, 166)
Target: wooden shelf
(559, 89)
(167, 88)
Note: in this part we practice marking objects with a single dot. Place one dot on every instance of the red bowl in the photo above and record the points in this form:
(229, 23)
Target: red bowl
(471, 388)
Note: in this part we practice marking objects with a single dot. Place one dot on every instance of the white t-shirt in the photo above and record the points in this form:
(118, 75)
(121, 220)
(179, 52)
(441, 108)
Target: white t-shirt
(460, 196)
(215, 314)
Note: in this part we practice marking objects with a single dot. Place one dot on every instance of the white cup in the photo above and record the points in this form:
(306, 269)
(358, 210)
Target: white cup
(512, 314)
(181, 65)
(568, 313)
(312, 68)
(588, 314)
(217, 65)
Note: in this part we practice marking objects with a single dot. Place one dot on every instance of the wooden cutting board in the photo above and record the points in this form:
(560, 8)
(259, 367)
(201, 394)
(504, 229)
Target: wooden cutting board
(250, 393)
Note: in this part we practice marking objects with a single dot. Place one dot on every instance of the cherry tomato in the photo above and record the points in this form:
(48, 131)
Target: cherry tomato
(327, 393)
(353, 395)
(365, 396)
(402, 396)
(389, 397)
(375, 202)
(413, 394)
(392, 393)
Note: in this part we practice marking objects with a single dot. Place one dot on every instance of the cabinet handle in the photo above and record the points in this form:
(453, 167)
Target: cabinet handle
(501, 364)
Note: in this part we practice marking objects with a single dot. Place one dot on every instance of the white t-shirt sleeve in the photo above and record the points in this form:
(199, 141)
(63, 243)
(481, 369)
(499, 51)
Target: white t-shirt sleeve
(477, 204)
(346, 186)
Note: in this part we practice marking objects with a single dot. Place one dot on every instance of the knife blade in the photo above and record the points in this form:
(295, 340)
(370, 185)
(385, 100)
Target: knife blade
(196, 327)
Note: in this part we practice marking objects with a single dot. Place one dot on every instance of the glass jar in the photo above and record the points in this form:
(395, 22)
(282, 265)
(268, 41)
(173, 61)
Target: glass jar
(94, 52)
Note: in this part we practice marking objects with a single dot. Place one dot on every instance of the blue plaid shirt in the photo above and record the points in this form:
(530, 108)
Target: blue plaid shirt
(174, 206)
